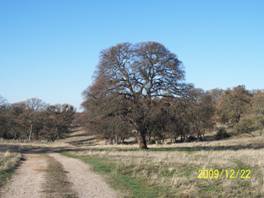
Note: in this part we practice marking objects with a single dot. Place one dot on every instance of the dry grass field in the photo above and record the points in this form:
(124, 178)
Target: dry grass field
(172, 170)
(161, 171)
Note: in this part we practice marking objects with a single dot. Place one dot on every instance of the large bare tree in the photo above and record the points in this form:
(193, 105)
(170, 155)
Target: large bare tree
(141, 73)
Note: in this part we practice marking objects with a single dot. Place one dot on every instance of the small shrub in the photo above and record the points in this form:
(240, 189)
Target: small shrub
(222, 134)
(191, 138)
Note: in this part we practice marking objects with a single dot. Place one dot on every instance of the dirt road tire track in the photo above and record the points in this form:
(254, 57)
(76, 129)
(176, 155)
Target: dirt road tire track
(85, 182)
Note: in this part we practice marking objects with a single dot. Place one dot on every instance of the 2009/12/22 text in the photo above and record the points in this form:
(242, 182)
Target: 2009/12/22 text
(224, 173)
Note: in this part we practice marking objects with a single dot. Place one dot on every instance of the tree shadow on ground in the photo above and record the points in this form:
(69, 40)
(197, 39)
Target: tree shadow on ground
(86, 142)
(29, 149)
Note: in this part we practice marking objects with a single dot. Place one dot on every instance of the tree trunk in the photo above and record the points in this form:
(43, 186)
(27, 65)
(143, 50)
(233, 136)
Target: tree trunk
(116, 139)
(238, 116)
(149, 138)
(142, 141)
(182, 138)
(30, 132)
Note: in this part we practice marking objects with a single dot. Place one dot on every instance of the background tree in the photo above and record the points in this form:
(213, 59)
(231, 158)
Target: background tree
(176, 118)
(59, 120)
(106, 114)
(33, 107)
(233, 104)
(3, 116)
(33, 119)
(253, 120)
(201, 112)
(258, 103)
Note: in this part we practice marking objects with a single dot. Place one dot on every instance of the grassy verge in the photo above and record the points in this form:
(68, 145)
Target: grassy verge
(161, 174)
(124, 181)
(8, 163)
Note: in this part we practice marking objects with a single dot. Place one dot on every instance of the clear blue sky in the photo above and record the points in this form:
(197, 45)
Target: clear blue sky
(49, 48)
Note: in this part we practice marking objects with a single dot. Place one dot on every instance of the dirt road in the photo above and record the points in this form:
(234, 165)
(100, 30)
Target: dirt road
(34, 179)
(85, 182)
(28, 179)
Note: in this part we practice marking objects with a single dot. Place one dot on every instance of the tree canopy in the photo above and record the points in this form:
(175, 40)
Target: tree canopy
(132, 81)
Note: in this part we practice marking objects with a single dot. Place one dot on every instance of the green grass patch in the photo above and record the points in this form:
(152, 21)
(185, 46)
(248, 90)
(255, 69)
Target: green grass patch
(188, 149)
(5, 174)
(156, 149)
(123, 180)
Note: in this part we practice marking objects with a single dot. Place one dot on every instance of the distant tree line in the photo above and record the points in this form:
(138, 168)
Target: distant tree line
(34, 120)
(139, 90)
(241, 109)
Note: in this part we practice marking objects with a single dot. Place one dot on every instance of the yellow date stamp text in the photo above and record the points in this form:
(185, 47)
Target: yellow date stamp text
(214, 174)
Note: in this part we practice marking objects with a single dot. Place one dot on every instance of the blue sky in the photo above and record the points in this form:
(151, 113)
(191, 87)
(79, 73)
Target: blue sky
(49, 49)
